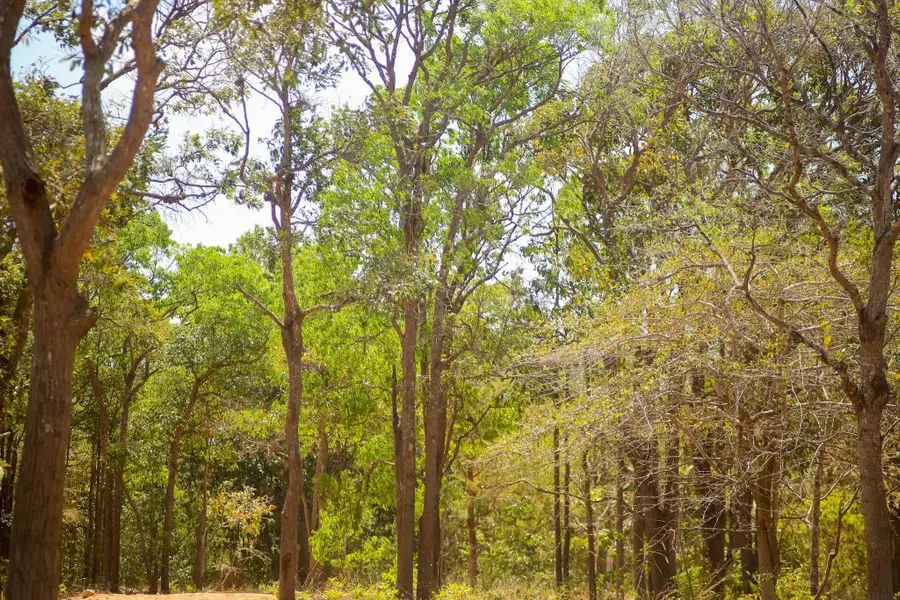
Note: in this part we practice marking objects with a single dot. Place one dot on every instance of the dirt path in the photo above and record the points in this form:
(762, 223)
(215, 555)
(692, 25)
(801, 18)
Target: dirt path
(200, 596)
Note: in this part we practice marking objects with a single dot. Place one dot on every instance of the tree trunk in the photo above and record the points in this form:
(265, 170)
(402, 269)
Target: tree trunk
(292, 338)
(61, 319)
(767, 527)
(435, 439)
(589, 524)
(874, 503)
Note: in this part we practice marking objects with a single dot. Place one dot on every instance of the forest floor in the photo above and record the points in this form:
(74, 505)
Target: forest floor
(196, 596)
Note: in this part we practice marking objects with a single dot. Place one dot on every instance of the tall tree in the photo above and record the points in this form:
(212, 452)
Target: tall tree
(53, 256)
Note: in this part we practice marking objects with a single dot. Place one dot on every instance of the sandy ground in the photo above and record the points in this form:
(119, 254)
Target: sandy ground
(200, 596)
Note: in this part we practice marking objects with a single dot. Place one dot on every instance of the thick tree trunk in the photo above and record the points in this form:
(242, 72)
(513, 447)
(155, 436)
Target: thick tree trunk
(589, 525)
(290, 511)
(874, 503)
(435, 439)
(61, 319)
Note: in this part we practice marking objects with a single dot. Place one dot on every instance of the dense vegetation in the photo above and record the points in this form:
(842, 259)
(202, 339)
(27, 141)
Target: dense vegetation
(584, 300)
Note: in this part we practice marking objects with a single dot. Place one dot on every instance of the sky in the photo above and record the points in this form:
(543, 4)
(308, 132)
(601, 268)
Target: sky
(221, 222)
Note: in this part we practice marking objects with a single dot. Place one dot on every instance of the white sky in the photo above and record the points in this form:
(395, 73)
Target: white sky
(221, 222)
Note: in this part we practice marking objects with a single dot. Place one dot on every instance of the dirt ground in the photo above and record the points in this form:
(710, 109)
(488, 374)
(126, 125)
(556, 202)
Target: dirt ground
(199, 596)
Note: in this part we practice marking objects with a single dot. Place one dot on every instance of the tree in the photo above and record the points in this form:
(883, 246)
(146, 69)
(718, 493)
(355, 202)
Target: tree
(820, 142)
(53, 256)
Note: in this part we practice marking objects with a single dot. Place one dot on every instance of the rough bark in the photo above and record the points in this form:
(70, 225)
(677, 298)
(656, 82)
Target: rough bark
(876, 516)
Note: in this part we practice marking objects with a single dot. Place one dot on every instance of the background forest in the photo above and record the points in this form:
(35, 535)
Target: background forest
(584, 300)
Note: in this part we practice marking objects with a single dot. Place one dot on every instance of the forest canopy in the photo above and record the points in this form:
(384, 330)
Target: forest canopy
(578, 299)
